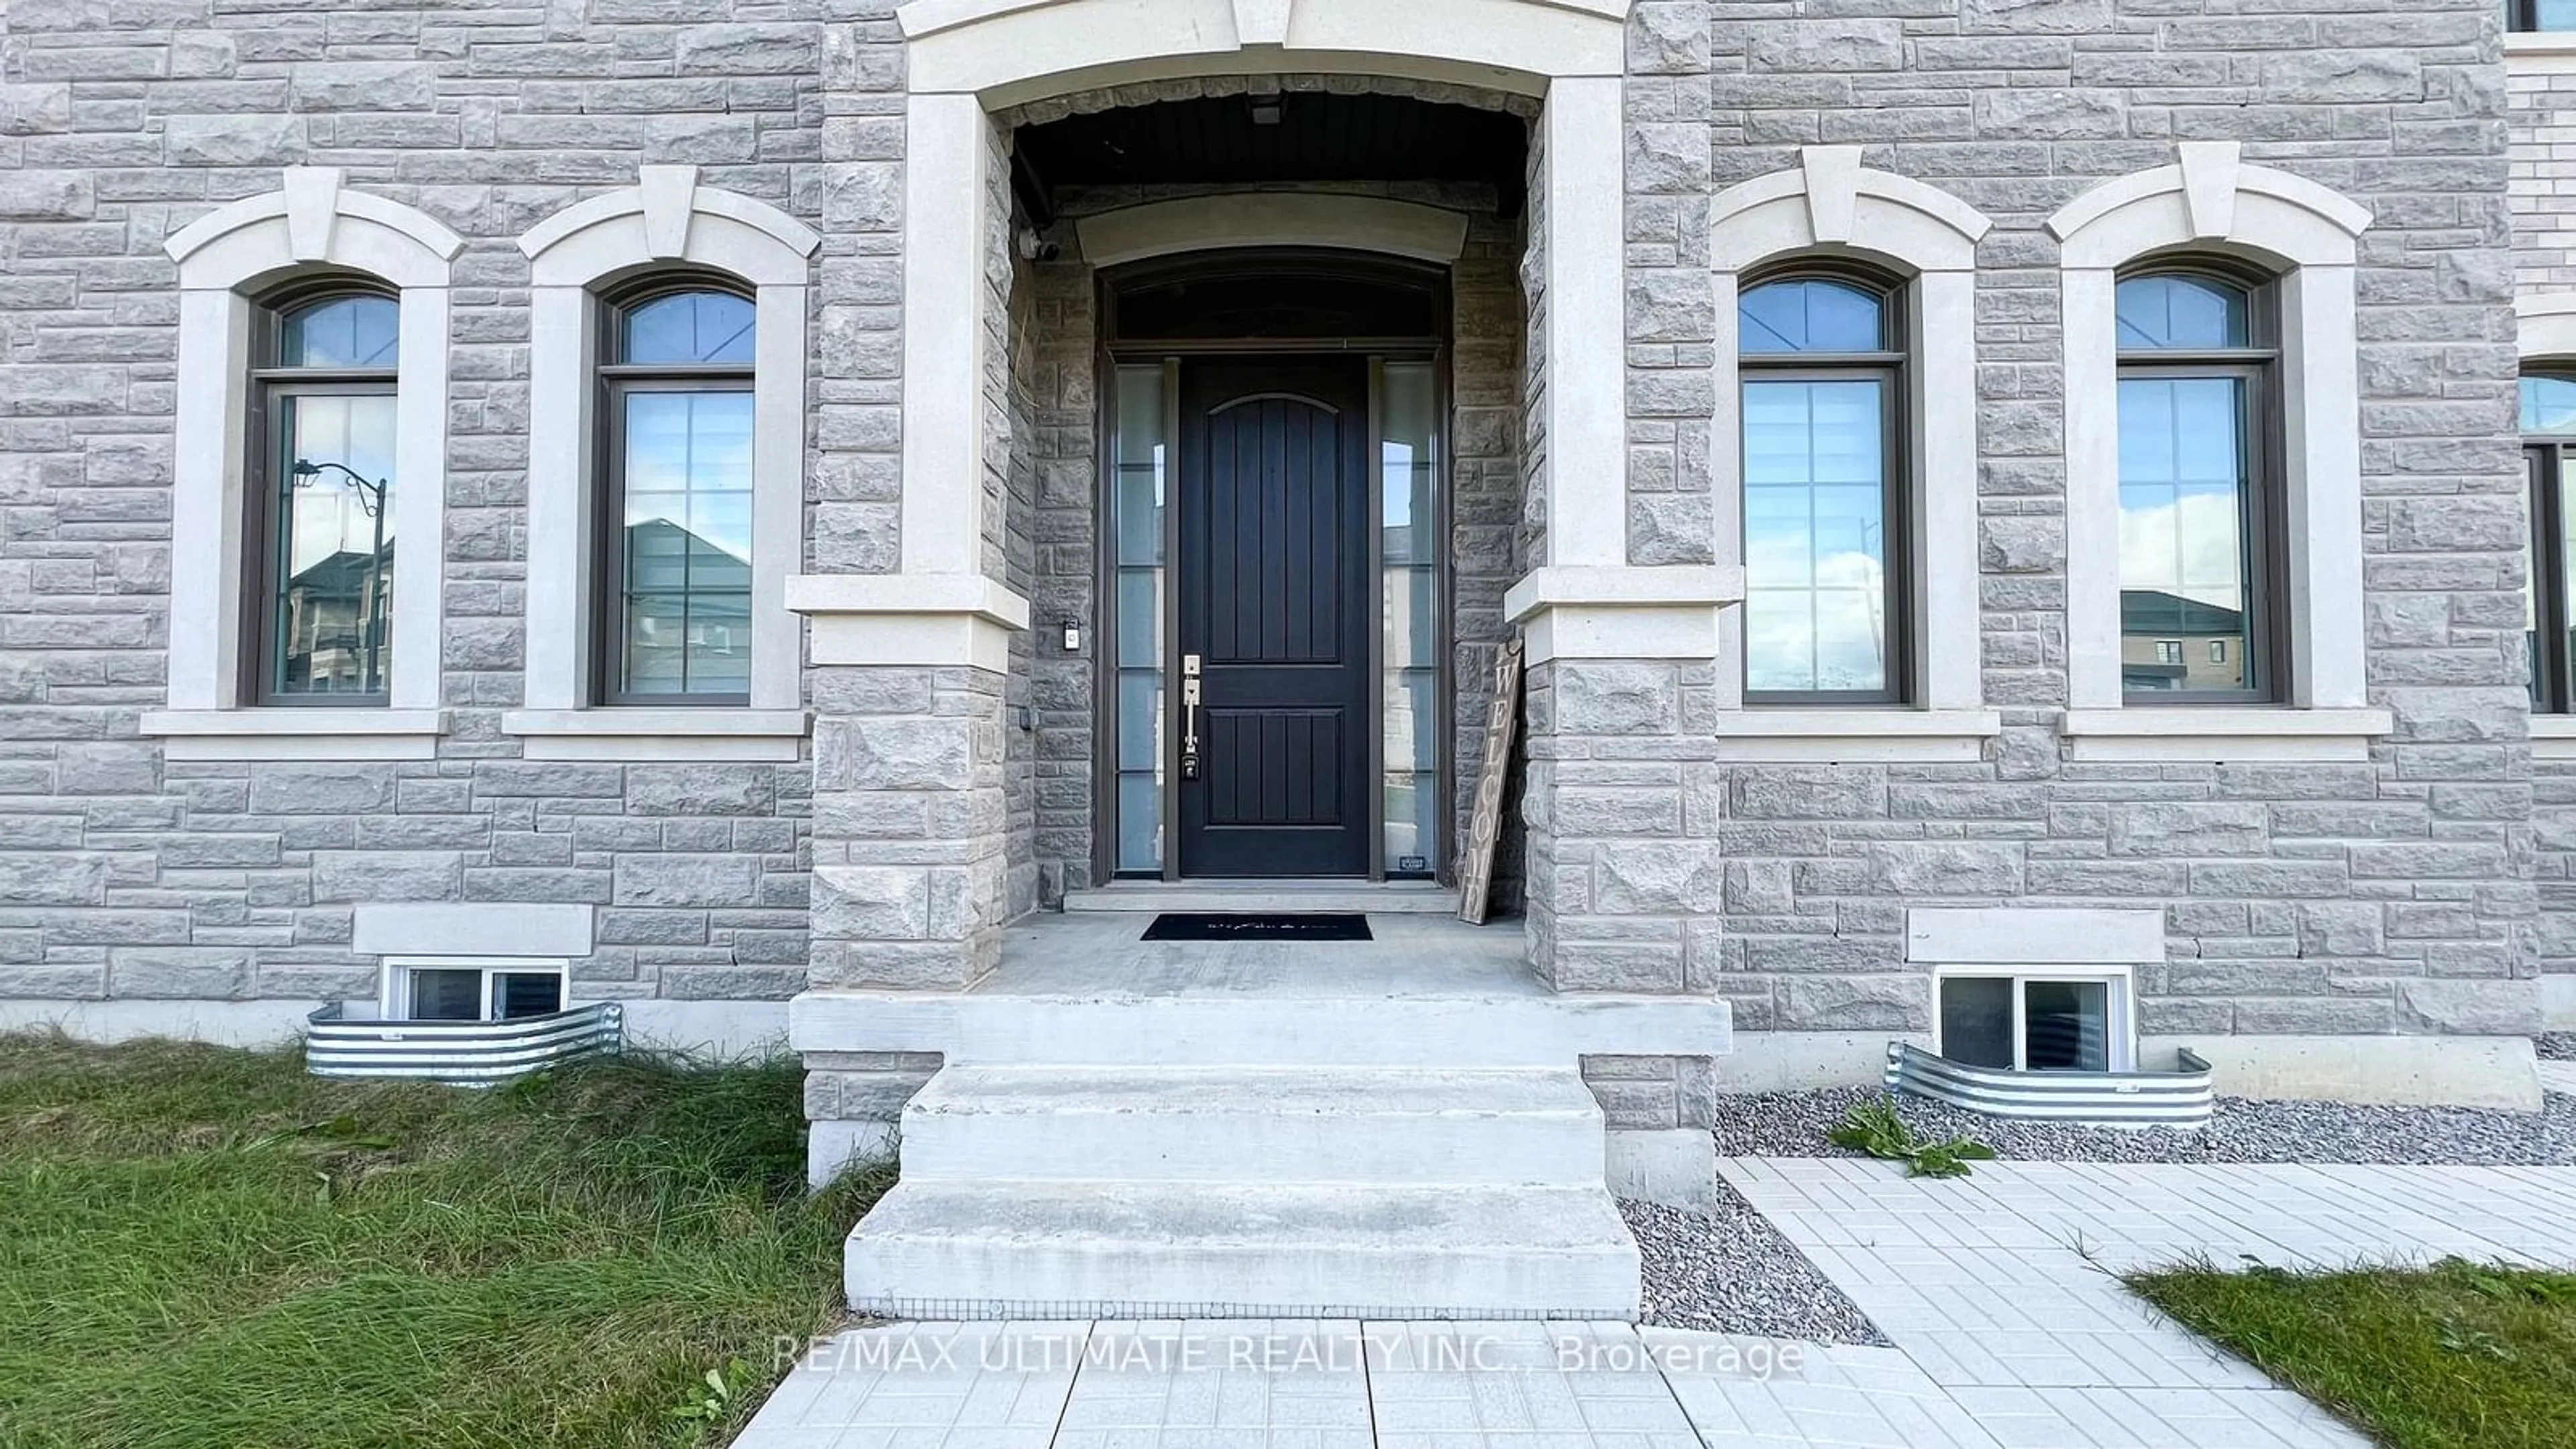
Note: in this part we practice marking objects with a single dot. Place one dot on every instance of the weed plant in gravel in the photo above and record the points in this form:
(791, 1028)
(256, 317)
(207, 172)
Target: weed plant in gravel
(207, 1247)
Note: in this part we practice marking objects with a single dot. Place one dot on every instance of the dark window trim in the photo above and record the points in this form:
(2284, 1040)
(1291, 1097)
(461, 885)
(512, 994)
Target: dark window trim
(261, 656)
(2266, 544)
(615, 380)
(1899, 485)
(2523, 17)
(2553, 610)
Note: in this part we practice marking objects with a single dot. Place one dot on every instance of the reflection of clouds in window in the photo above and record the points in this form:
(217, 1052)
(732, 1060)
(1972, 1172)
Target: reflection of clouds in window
(2548, 406)
(328, 511)
(691, 327)
(344, 332)
(1815, 535)
(2182, 488)
(688, 464)
(1809, 316)
(2180, 312)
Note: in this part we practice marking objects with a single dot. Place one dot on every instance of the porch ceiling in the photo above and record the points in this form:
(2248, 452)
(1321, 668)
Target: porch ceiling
(1312, 137)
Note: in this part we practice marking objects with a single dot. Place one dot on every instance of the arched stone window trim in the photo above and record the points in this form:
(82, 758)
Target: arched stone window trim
(227, 259)
(2212, 203)
(1830, 207)
(666, 221)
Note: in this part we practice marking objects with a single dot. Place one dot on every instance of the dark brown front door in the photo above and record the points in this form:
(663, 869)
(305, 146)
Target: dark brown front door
(1274, 606)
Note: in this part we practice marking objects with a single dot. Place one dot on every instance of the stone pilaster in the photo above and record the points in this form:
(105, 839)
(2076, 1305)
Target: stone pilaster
(911, 817)
(1626, 879)
(908, 810)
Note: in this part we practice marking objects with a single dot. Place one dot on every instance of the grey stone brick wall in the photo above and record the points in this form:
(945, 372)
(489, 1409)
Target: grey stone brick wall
(122, 875)
(2393, 896)
(2397, 895)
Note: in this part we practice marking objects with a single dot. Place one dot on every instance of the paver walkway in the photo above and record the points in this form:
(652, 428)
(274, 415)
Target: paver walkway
(2011, 1333)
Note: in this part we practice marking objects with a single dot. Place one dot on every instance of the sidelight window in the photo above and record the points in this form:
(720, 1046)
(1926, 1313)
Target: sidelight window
(2548, 432)
(322, 522)
(676, 612)
(1139, 504)
(1824, 615)
(1409, 583)
(2198, 490)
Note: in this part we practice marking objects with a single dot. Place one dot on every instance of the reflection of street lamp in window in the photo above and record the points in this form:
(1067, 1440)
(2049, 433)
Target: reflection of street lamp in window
(371, 502)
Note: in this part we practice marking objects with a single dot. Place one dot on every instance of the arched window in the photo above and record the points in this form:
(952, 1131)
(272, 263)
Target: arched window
(676, 496)
(1824, 475)
(2548, 432)
(321, 523)
(2200, 492)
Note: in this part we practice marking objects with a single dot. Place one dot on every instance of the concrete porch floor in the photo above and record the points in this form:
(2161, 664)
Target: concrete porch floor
(1102, 955)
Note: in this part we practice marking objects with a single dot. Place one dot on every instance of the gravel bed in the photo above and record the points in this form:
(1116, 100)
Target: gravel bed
(1727, 1270)
(2556, 1046)
(1794, 1124)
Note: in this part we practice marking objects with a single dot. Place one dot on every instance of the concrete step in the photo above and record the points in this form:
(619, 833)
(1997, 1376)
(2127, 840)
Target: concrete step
(1413, 1024)
(1266, 897)
(1248, 1125)
(1015, 1249)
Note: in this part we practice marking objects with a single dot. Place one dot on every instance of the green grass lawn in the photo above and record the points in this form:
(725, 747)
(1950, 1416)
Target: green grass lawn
(209, 1247)
(2455, 1356)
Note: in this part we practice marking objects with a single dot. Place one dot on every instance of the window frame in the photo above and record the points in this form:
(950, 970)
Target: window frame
(2119, 1008)
(613, 382)
(2257, 367)
(2522, 17)
(2545, 478)
(260, 658)
(1898, 486)
(394, 988)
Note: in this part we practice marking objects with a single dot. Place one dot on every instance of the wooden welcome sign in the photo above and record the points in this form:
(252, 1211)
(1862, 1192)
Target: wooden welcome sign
(1485, 831)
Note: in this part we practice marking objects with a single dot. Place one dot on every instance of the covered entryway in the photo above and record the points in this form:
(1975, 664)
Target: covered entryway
(1281, 337)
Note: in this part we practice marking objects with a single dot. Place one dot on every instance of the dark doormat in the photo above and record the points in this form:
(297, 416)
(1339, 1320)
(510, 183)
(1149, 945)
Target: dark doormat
(1314, 927)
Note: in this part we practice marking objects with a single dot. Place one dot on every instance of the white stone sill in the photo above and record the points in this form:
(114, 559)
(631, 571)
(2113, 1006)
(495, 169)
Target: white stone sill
(650, 735)
(2553, 736)
(2186, 734)
(1757, 735)
(289, 733)
(2540, 52)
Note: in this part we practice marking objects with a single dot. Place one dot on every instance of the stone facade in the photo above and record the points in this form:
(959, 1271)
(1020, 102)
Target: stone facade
(2418, 893)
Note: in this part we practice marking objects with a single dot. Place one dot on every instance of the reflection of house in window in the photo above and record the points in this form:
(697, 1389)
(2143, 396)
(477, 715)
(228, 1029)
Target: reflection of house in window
(332, 623)
(685, 597)
(2163, 636)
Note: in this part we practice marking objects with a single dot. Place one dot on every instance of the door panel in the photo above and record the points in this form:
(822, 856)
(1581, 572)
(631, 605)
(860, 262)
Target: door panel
(1274, 600)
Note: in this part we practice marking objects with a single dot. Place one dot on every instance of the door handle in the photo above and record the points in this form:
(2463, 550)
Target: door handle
(1189, 716)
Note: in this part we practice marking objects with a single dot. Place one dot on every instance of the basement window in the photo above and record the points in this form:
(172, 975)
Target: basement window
(2035, 1023)
(448, 988)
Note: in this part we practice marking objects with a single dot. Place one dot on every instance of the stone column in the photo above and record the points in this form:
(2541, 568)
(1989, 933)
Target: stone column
(1626, 877)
